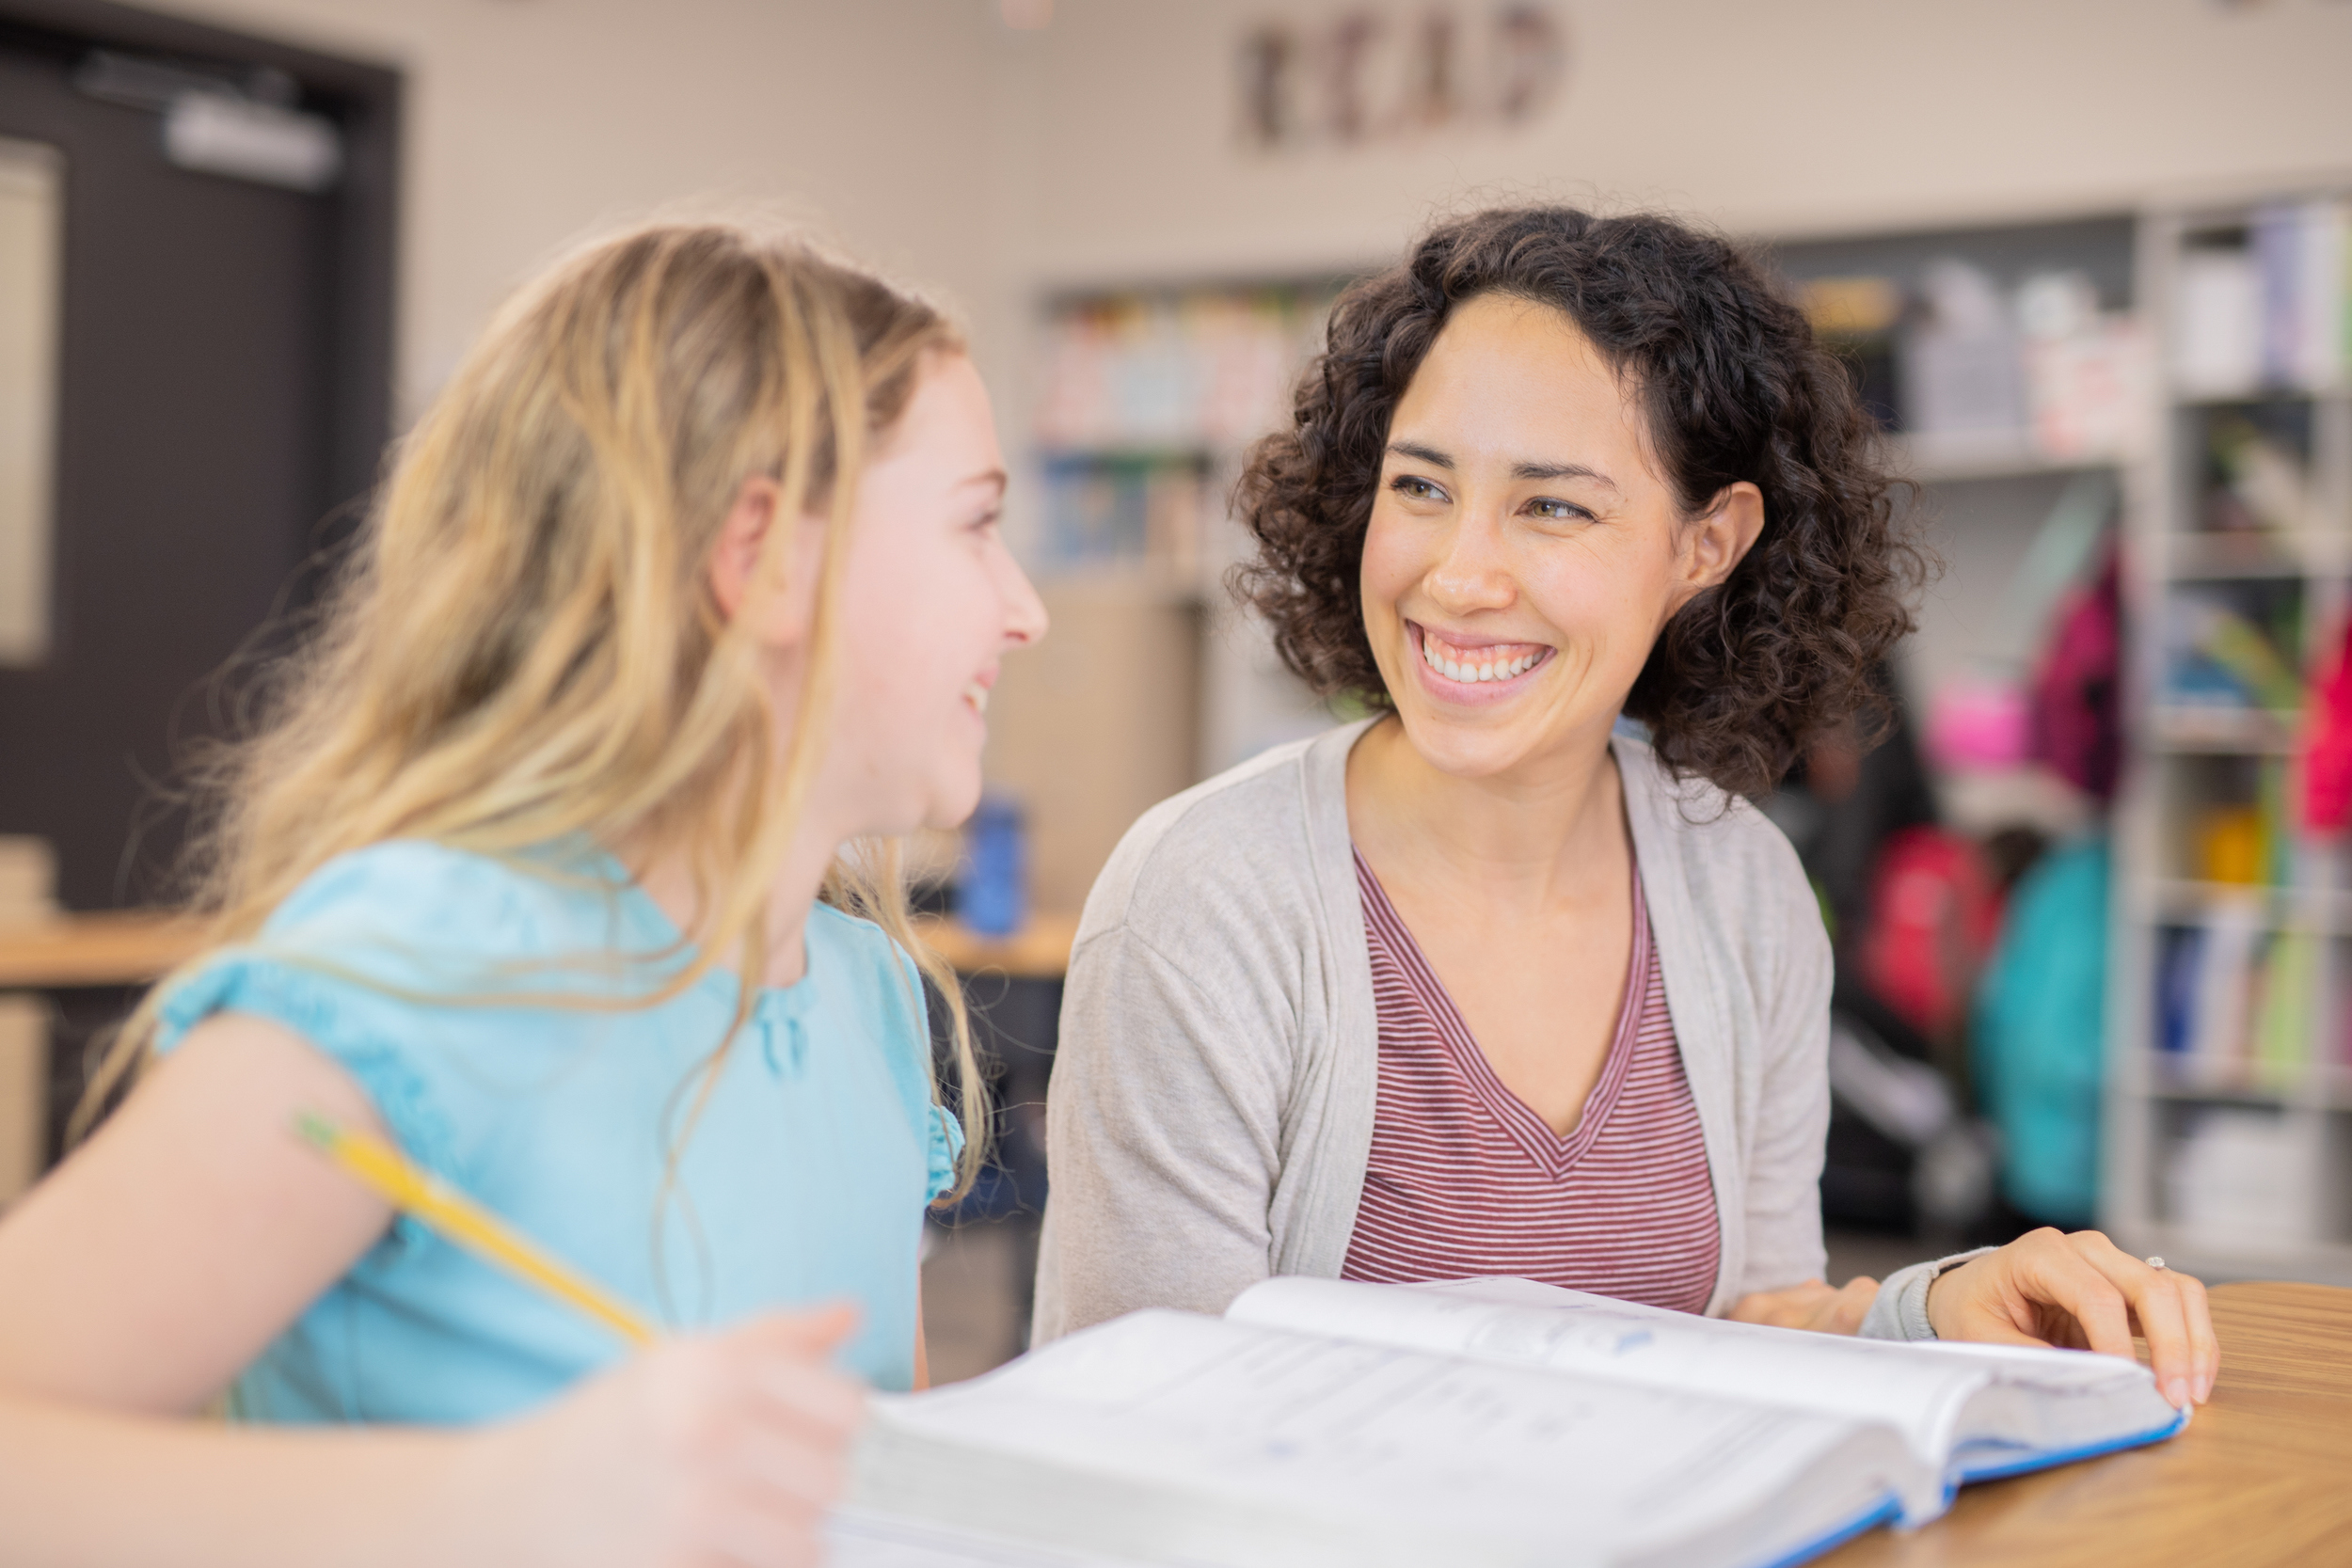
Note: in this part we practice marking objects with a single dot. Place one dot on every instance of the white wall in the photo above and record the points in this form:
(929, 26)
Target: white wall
(990, 162)
(530, 122)
(1796, 116)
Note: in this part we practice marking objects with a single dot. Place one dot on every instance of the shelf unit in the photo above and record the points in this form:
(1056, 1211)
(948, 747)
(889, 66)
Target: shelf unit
(1149, 397)
(1153, 396)
(2287, 1115)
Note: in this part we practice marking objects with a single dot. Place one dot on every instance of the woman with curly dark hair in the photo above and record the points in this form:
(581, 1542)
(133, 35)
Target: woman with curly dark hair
(1479, 985)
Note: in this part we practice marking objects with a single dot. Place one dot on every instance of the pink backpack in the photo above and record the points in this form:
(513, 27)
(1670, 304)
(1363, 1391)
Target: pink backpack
(2077, 687)
(1934, 910)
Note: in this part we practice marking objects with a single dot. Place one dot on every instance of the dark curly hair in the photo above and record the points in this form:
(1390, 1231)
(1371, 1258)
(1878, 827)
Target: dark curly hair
(1733, 387)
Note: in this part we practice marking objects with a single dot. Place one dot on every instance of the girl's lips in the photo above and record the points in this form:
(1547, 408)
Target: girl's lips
(1477, 673)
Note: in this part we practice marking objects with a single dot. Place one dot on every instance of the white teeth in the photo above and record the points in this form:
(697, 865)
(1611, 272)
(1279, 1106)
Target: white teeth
(1473, 673)
(977, 695)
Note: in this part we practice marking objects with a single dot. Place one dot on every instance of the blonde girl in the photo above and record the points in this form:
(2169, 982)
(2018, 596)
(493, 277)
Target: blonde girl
(547, 869)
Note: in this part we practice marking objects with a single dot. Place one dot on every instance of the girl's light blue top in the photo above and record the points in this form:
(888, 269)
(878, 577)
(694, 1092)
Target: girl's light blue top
(803, 1181)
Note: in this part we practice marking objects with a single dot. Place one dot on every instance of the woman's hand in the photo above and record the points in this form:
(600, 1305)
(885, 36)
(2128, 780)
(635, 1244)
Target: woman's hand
(1811, 1306)
(2081, 1292)
(727, 1450)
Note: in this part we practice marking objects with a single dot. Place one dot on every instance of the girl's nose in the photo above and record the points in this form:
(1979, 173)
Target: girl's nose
(1026, 620)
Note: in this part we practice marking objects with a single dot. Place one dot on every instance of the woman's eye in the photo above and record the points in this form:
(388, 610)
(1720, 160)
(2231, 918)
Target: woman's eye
(1416, 488)
(1556, 510)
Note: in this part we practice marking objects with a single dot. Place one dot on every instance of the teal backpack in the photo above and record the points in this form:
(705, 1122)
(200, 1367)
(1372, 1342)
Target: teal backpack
(2040, 1027)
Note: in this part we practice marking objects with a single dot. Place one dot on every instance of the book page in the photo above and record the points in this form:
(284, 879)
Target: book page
(855, 1540)
(1337, 1450)
(1921, 1390)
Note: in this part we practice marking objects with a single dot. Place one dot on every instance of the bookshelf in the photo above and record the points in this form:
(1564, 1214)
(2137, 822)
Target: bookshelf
(2228, 1137)
(1149, 399)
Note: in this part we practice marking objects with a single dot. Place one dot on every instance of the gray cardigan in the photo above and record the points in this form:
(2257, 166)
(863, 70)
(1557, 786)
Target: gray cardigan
(1213, 1095)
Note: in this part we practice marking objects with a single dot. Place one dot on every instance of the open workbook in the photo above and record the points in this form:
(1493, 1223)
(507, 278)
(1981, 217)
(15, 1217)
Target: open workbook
(1484, 1421)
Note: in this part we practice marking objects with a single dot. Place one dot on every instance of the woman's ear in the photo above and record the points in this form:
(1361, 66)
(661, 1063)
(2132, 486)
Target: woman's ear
(1722, 536)
(735, 558)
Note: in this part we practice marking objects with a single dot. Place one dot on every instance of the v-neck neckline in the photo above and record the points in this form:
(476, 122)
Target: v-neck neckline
(1550, 1151)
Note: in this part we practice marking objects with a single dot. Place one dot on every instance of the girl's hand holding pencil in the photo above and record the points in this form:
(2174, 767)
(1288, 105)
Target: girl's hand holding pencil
(702, 1451)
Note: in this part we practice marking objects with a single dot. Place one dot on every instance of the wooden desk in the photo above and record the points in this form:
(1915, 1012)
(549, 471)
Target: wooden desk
(2262, 1476)
(1038, 951)
(134, 948)
(75, 950)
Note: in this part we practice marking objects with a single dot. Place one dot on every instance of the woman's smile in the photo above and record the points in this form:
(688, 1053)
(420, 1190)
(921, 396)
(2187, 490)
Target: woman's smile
(1462, 668)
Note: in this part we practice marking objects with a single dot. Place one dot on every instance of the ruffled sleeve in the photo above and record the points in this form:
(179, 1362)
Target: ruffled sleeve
(936, 1125)
(362, 961)
(946, 1147)
(336, 1017)
(886, 990)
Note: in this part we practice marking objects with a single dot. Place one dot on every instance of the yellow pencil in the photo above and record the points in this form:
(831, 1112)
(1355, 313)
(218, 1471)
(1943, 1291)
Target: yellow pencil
(382, 1167)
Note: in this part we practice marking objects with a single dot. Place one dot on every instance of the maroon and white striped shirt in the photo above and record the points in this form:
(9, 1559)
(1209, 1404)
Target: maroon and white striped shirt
(1465, 1181)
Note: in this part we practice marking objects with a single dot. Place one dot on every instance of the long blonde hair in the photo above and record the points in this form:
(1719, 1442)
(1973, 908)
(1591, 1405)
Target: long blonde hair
(526, 647)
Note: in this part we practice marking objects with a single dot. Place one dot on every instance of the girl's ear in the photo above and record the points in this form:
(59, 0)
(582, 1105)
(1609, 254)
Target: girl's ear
(1722, 536)
(735, 558)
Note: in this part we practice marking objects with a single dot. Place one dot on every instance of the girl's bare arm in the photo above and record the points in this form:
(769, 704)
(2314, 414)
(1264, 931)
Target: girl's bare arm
(164, 1256)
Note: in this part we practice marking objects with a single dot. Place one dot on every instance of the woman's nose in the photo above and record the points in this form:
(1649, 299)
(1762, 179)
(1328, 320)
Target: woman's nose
(1471, 573)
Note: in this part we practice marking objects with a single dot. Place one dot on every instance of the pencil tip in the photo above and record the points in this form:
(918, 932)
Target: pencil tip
(315, 1129)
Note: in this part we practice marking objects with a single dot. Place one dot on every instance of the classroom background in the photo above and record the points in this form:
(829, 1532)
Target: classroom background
(2088, 260)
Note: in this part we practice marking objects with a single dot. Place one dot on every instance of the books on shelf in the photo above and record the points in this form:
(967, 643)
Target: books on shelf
(2237, 1002)
(2225, 652)
(1991, 379)
(2238, 996)
(1202, 368)
(2264, 307)
(2300, 252)
(1152, 511)
(2217, 333)
(1484, 1421)
(1143, 392)
(2260, 483)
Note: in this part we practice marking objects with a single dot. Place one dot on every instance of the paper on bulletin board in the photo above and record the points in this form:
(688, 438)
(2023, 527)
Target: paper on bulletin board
(32, 205)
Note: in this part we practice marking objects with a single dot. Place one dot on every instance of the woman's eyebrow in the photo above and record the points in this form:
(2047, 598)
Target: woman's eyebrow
(1436, 459)
(1562, 471)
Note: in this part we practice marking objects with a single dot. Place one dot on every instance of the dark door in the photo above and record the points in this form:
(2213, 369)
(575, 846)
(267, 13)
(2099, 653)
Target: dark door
(217, 383)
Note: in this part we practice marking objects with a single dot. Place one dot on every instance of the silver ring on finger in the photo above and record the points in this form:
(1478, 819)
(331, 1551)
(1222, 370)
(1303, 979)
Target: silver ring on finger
(2156, 1263)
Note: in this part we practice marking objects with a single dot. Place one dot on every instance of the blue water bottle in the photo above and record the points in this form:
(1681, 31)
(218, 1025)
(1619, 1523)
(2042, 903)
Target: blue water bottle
(993, 881)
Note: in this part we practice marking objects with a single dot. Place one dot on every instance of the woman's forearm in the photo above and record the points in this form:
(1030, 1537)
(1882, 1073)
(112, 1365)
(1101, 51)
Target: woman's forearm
(89, 1489)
